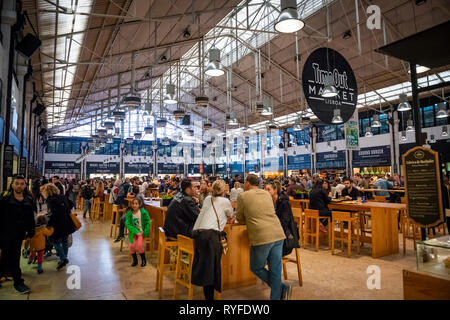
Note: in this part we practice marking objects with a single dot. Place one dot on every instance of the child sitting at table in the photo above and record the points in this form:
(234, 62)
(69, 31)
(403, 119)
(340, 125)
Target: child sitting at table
(37, 243)
(138, 225)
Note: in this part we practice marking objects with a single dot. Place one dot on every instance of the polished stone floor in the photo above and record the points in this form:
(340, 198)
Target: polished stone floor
(105, 274)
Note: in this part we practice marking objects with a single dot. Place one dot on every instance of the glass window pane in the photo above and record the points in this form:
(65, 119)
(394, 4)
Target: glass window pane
(428, 116)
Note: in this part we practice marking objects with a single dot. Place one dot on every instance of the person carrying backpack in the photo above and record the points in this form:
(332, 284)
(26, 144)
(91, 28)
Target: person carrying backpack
(87, 193)
(60, 220)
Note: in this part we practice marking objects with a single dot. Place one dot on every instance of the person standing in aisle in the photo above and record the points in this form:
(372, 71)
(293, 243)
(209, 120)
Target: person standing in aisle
(16, 224)
(207, 231)
(87, 193)
(255, 209)
(138, 225)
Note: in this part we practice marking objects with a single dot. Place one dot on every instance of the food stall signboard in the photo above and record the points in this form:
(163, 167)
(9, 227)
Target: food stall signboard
(423, 186)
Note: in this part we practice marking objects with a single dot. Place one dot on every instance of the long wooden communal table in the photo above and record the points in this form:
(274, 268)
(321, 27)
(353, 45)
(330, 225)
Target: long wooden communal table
(384, 221)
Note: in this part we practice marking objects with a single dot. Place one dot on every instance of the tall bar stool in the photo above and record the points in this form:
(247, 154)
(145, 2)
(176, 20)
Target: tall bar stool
(183, 270)
(115, 220)
(166, 262)
(286, 259)
(94, 209)
(312, 227)
(340, 217)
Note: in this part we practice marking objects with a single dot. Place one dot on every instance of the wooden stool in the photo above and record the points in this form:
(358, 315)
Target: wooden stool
(340, 217)
(184, 266)
(298, 218)
(312, 219)
(285, 260)
(165, 264)
(125, 233)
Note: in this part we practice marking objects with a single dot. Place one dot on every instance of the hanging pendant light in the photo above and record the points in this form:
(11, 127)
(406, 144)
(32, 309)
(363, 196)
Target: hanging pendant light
(376, 121)
(119, 115)
(403, 136)
(337, 117)
(442, 111)
(368, 132)
(129, 140)
(179, 113)
(148, 130)
(267, 111)
(404, 104)
(109, 139)
(214, 68)
(409, 126)
(288, 21)
(109, 125)
(201, 102)
(297, 126)
(259, 107)
(444, 131)
(170, 97)
(329, 90)
(137, 136)
(231, 119)
(161, 123)
(207, 126)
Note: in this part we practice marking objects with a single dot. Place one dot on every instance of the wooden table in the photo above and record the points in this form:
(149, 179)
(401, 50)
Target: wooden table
(388, 190)
(384, 217)
(236, 271)
(157, 215)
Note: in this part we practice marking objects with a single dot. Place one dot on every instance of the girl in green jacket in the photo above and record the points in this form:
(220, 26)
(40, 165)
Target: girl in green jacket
(138, 224)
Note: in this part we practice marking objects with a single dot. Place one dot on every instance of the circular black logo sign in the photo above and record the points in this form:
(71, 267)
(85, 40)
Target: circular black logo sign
(315, 70)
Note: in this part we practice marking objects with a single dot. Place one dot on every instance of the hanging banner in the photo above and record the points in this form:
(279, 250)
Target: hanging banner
(62, 167)
(351, 131)
(138, 168)
(330, 160)
(320, 63)
(299, 162)
(372, 157)
(170, 168)
(100, 167)
(422, 172)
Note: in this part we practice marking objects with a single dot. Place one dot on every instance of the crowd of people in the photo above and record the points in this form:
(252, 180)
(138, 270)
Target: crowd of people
(200, 209)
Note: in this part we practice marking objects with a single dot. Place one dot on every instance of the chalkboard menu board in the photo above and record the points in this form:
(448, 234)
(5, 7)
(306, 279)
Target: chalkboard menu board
(330, 160)
(423, 186)
(371, 157)
(62, 167)
(8, 161)
(23, 166)
(170, 168)
(138, 168)
(100, 167)
(299, 162)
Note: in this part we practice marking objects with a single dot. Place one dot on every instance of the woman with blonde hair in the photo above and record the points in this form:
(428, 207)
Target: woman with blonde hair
(100, 190)
(207, 233)
(235, 192)
(60, 220)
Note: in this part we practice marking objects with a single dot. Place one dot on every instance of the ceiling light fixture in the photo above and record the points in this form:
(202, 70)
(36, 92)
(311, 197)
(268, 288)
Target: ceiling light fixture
(442, 111)
(347, 34)
(288, 20)
(368, 132)
(409, 125)
(404, 104)
(267, 111)
(214, 68)
(170, 97)
(444, 131)
(337, 117)
(329, 90)
(376, 121)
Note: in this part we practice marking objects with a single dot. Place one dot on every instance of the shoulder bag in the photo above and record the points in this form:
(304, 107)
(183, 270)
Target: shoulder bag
(223, 237)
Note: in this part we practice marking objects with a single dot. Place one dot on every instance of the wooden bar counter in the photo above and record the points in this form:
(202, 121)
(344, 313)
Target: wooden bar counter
(236, 263)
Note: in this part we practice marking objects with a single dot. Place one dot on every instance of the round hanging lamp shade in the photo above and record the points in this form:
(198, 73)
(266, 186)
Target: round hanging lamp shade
(368, 132)
(109, 125)
(101, 132)
(161, 123)
(288, 21)
(129, 140)
(329, 90)
(214, 67)
(337, 117)
(201, 101)
(148, 130)
(442, 111)
(267, 111)
(137, 136)
(404, 104)
(207, 126)
(170, 97)
(259, 107)
(376, 121)
(179, 114)
(132, 101)
(409, 126)
(119, 115)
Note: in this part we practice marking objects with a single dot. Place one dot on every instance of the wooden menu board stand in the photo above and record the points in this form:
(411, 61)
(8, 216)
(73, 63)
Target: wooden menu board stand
(423, 184)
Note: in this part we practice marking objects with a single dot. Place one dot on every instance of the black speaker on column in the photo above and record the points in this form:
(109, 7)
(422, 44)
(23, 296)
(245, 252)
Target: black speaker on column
(39, 109)
(28, 45)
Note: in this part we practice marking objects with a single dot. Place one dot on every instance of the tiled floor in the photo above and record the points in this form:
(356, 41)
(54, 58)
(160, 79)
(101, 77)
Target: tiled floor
(105, 274)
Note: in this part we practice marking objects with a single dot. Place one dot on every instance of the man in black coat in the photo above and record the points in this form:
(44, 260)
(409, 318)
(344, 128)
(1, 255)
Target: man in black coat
(182, 212)
(16, 224)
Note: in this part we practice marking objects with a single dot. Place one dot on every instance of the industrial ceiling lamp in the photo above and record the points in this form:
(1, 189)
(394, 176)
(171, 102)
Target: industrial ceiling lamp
(419, 69)
(288, 21)
(148, 130)
(207, 125)
(170, 97)
(442, 111)
(137, 136)
(297, 126)
(404, 104)
(409, 125)
(133, 100)
(368, 132)
(444, 131)
(329, 90)
(376, 121)
(337, 117)
(231, 119)
(214, 68)
(403, 136)
(267, 111)
(129, 140)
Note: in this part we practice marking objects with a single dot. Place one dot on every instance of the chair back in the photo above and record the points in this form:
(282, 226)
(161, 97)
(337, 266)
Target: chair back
(311, 213)
(295, 203)
(403, 200)
(185, 244)
(380, 199)
(341, 216)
